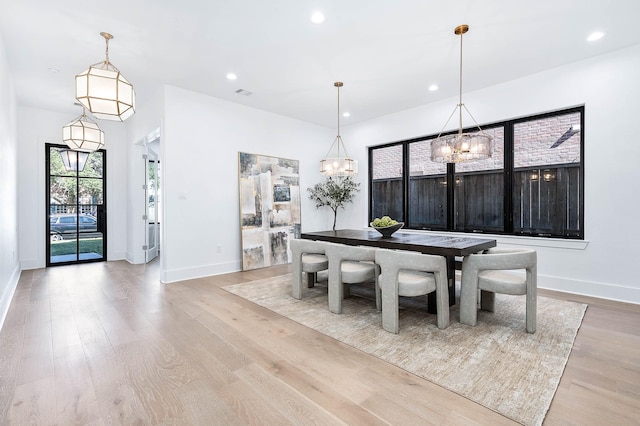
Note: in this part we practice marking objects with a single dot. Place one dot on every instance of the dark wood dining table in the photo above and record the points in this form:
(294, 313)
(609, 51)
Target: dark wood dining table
(447, 246)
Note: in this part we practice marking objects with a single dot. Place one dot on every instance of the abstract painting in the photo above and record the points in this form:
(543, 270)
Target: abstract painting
(269, 209)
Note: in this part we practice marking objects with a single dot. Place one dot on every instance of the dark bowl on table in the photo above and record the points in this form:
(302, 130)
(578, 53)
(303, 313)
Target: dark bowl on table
(387, 231)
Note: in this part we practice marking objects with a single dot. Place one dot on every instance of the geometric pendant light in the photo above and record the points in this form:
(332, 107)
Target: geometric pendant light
(337, 162)
(104, 91)
(74, 161)
(83, 134)
(461, 146)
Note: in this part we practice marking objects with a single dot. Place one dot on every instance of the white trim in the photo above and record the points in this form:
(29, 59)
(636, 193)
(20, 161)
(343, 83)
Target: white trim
(32, 263)
(606, 291)
(540, 242)
(512, 239)
(136, 258)
(199, 272)
(7, 296)
(118, 255)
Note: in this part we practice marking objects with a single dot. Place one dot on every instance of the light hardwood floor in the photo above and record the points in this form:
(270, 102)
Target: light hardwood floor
(107, 343)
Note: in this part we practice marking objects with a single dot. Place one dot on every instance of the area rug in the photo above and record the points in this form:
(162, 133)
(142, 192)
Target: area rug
(496, 363)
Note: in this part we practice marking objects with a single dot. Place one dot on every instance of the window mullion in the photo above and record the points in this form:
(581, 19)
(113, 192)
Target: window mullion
(508, 178)
(451, 208)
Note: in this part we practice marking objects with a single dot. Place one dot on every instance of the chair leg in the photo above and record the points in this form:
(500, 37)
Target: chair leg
(531, 312)
(311, 279)
(468, 300)
(390, 315)
(335, 289)
(487, 301)
(442, 300)
(296, 277)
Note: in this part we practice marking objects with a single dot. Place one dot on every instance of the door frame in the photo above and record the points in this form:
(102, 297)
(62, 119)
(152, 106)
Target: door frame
(102, 210)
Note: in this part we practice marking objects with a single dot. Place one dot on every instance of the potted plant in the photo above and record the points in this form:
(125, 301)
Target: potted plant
(334, 193)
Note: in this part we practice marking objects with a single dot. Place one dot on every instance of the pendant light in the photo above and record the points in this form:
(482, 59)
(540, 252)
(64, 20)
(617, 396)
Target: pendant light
(104, 91)
(461, 146)
(74, 161)
(337, 161)
(83, 134)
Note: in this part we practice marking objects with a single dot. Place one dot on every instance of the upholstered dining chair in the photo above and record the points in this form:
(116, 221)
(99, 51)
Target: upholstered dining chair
(349, 265)
(493, 272)
(404, 273)
(308, 258)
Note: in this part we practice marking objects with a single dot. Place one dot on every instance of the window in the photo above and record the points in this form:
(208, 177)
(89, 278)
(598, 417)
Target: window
(387, 179)
(547, 195)
(532, 185)
(427, 189)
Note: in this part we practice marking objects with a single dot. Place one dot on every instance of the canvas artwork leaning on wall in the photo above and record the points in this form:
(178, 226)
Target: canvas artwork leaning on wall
(269, 209)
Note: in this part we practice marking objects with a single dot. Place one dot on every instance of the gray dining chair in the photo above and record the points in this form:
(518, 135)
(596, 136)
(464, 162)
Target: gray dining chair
(493, 272)
(349, 265)
(308, 258)
(404, 273)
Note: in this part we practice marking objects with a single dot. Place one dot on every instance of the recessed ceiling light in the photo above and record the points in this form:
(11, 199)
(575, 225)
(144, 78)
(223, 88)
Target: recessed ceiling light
(433, 87)
(346, 114)
(232, 76)
(595, 36)
(317, 18)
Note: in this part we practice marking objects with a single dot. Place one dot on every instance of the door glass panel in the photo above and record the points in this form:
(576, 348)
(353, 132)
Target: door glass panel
(152, 206)
(151, 190)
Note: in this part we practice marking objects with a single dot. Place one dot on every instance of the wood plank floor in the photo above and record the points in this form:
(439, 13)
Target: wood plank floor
(107, 343)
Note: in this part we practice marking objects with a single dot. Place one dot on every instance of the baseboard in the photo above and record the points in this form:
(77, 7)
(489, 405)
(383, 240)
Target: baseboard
(607, 291)
(119, 255)
(31, 264)
(199, 272)
(133, 258)
(7, 294)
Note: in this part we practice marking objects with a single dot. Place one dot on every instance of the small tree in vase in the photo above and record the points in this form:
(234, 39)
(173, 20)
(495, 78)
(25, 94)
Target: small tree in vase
(334, 193)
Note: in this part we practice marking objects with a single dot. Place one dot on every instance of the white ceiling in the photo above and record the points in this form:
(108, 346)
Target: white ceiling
(387, 52)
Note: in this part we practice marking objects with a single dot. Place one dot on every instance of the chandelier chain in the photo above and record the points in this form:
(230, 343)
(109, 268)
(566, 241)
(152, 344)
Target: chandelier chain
(460, 104)
(107, 51)
(339, 138)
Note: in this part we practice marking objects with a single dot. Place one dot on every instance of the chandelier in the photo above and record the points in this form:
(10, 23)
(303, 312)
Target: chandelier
(337, 161)
(83, 134)
(104, 91)
(461, 146)
(74, 161)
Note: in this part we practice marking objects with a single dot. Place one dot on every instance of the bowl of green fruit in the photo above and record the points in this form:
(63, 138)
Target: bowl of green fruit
(386, 226)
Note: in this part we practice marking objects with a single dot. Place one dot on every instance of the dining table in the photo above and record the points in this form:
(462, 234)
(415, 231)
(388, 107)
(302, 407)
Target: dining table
(443, 245)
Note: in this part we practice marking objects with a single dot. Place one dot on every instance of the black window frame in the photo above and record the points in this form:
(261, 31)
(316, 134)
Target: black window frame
(508, 180)
(102, 208)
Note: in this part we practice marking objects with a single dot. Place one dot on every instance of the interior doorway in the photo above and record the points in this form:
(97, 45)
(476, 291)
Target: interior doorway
(152, 200)
(76, 206)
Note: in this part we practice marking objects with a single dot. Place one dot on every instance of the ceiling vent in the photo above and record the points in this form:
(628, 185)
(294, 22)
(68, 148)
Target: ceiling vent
(244, 92)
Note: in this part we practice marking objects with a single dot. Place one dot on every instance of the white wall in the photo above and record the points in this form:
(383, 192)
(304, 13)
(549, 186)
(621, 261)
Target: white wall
(37, 127)
(609, 88)
(200, 141)
(147, 119)
(9, 262)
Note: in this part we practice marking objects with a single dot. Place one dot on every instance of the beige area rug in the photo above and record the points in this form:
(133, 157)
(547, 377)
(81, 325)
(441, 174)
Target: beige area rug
(496, 364)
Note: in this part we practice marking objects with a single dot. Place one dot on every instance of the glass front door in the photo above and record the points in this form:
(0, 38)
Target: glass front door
(76, 206)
